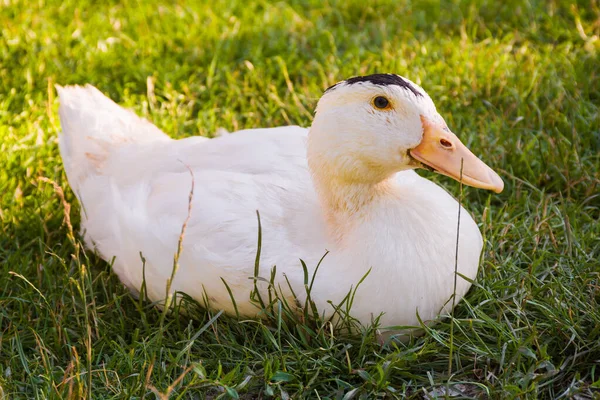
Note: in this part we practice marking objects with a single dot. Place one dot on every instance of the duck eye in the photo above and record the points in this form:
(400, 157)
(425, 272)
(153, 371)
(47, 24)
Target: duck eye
(381, 102)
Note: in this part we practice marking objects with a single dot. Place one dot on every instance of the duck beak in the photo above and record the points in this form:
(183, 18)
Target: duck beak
(441, 150)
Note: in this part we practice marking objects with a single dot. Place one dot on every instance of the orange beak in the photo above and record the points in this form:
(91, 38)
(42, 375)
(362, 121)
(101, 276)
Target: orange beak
(441, 150)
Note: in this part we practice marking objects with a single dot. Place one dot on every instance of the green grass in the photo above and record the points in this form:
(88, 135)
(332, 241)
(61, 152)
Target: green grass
(518, 81)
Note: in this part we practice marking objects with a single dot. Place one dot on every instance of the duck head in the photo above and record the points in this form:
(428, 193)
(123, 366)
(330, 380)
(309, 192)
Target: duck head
(369, 127)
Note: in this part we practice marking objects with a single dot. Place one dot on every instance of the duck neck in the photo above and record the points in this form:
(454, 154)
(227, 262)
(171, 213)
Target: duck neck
(344, 198)
(345, 201)
(346, 178)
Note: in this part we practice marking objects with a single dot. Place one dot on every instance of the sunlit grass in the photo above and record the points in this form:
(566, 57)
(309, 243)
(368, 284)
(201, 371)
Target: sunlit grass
(518, 81)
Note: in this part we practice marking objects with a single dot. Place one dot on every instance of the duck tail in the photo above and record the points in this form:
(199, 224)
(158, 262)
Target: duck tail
(92, 127)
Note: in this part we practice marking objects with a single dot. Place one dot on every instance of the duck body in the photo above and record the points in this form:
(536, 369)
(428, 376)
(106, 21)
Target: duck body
(134, 185)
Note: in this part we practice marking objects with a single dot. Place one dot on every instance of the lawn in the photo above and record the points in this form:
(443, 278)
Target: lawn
(519, 81)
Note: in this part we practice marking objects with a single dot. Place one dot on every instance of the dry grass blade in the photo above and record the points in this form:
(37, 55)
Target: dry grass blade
(169, 295)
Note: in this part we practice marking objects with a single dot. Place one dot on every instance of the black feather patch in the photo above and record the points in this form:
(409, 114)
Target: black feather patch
(381, 80)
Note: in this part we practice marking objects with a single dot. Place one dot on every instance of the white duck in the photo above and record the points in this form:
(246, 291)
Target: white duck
(345, 185)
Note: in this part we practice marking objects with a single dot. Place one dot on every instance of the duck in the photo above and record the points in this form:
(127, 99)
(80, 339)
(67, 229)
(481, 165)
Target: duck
(340, 201)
